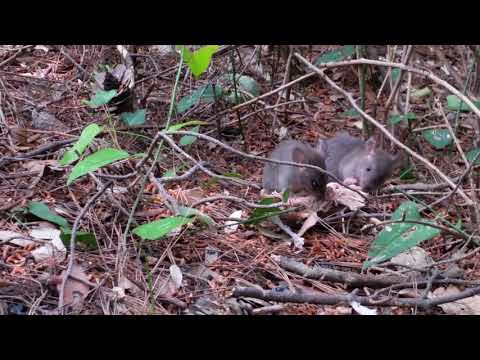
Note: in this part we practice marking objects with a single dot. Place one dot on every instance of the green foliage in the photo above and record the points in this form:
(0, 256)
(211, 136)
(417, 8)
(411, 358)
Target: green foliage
(336, 55)
(199, 60)
(189, 139)
(397, 238)
(85, 139)
(42, 211)
(101, 98)
(351, 113)
(158, 229)
(85, 238)
(177, 127)
(189, 212)
(395, 74)
(244, 83)
(454, 103)
(439, 138)
(395, 119)
(95, 161)
(134, 119)
(418, 94)
(260, 214)
(204, 94)
(472, 155)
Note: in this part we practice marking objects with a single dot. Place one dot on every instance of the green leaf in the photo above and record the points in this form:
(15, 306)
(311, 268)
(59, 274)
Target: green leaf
(189, 139)
(408, 174)
(244, 83)
(472, 154)
(285, 196)
(85, 139)
(189, 212)
(169, 173)
(395, 73)
(95, 161)
(100, 98)
(134, 119)
(351, 113)
(177, 127)
(336, 55)
(399, 237)
(260, 214)
(395, 119)
(157, 229)
(439, 138)
(199, 60)
(233, 174)
(454, 103)
(85, 238)
(204, 93)
(42, 211)
(417, 94)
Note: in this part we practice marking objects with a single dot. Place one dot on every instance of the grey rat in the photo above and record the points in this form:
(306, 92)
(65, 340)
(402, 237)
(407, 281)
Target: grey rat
(295, 179)
(359, 162)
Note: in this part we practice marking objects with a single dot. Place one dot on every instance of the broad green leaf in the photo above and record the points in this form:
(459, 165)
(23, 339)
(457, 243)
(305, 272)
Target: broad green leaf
(85, 139)
(42, 211)
(157, 229)
(199, 60)
(85, 238)
(95, 161)
(189, 212)
(189, 139)
(417, 94)
(204, 93)
(351, 113)
(100, 98)
(439, 138)
(454, 103)
(399, 237)
(336, 55)
(473, 155)
(169, 173)
(134, 119)
(259, 214)
(177, 127)
(395, 73)
(233, 175)
(244, 83)
(395, 119)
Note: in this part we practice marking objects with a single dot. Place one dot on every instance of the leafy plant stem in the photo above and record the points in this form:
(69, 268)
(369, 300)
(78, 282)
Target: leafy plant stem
(240, 124)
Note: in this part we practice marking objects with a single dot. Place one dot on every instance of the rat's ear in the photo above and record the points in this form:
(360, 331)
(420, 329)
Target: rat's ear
(298, 155)
(371, 145)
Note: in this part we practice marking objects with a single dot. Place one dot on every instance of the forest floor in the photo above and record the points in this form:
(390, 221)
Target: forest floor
(204, 269)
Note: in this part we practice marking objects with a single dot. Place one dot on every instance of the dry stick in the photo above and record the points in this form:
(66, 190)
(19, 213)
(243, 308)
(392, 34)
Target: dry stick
(238, 200)
(474, 214)
(254, 157)
(408, 53)
(205, 170)
(425, 73)
(72, 241)
(19, 51)
(270, 93)
(324, 299)
(349, 97)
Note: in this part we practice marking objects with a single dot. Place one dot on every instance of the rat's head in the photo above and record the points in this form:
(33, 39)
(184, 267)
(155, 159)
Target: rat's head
(311, 180)
(376, 166)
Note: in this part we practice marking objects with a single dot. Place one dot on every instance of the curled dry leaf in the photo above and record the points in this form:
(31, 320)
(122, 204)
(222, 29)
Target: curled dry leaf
(232, 226)
(344, 196)
(363, 310)
(176, 276)
(467, 306)
(75, 291)
(415, 257)
(54, 249)
(15, 238)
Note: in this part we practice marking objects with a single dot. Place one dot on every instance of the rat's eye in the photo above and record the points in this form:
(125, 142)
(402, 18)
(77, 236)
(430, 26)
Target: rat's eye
(368, 169)
(314, 183)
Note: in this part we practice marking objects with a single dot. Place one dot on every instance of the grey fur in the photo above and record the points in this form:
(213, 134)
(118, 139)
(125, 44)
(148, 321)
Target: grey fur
(295, 179)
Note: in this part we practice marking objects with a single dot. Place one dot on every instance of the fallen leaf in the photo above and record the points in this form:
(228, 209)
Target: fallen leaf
(54, 249)
(75, 291)
(232, 226)
(467, 306)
